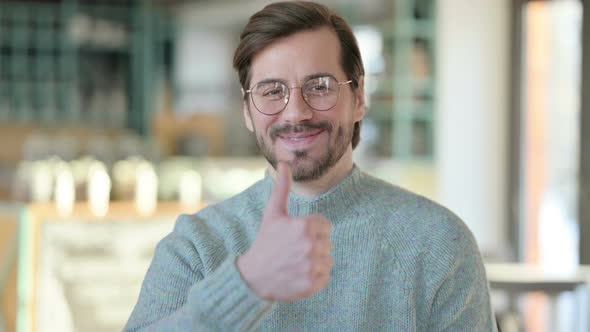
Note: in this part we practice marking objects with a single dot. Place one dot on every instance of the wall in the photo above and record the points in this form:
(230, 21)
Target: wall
(471, 115)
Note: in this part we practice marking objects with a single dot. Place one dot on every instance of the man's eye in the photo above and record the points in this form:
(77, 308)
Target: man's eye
(319, 87)
(272, 93)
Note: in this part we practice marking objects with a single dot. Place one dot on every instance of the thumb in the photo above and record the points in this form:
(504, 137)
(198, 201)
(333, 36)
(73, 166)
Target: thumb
(279, 198)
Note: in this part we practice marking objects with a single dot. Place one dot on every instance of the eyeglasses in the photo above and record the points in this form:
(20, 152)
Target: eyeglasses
(319, 93)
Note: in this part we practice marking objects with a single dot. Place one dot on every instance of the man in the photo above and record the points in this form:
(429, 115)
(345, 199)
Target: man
(317, 244)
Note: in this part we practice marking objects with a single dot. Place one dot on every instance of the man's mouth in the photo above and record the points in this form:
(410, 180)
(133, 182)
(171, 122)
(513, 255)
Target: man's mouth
(301, 136)
(301, 140)
(299, 132)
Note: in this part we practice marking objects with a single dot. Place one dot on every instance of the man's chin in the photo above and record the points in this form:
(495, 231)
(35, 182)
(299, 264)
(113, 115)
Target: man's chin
(303, 175)
(304, 167)
(299, 160)
(306, 170)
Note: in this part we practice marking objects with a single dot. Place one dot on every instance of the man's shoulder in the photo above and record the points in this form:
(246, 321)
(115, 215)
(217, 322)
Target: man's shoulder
(413, 217)
(401, 202)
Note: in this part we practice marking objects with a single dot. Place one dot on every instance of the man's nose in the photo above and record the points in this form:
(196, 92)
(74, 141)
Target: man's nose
(297, 109)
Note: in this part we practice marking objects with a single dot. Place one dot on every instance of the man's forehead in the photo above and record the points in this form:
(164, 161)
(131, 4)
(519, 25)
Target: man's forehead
(308, 77)
(299, 56)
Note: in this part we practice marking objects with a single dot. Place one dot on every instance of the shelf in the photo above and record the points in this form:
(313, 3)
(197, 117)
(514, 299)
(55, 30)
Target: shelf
(68, 46)
(386, 112)
(408, 29)
(412, 87)
(403, 104)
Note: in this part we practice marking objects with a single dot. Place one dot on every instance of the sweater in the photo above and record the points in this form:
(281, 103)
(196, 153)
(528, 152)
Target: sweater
(401, 263)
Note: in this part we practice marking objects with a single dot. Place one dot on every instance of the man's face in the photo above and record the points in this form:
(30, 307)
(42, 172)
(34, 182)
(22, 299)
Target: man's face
(311, 141)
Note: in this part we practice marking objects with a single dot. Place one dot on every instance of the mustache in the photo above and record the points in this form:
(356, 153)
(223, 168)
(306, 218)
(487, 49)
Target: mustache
(299, 128)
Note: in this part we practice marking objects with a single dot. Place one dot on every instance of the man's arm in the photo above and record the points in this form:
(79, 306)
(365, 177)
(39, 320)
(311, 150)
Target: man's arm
(289, 260)
(460, 291)
(176, 297)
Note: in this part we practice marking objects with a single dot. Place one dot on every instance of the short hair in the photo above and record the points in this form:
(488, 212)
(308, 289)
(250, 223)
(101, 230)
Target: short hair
(282, 19)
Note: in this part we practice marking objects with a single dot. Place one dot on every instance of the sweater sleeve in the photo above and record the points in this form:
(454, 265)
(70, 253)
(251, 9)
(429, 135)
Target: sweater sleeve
(459, 289)
(176, 296)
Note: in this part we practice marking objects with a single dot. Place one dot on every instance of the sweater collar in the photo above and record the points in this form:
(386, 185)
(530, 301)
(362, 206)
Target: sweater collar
(331, 203)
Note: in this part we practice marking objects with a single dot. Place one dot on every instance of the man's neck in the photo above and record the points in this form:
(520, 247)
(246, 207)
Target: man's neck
(333, 176)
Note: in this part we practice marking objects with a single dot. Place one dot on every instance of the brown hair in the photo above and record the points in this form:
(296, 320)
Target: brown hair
(282, 19)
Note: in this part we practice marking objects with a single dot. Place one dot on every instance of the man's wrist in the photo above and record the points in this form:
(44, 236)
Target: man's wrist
(251, 280)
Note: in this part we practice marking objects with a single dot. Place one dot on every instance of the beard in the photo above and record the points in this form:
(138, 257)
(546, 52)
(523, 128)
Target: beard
(305, 168)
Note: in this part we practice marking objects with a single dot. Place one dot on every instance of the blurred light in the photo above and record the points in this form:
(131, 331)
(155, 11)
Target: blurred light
(146, 189)
(42, 181)
(190, 189)
(99, 189)
(65, 190)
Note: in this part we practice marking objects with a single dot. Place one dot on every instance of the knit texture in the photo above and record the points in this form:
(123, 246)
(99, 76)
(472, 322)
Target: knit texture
(401, 263)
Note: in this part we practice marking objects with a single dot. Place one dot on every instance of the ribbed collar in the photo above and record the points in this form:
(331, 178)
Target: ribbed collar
(335, 204)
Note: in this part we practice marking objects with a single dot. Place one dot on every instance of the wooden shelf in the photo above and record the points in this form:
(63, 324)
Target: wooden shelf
(16, 134)
(168, 129)
(118, 211)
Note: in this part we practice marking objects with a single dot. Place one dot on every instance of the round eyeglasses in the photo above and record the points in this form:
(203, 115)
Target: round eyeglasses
(319, 93)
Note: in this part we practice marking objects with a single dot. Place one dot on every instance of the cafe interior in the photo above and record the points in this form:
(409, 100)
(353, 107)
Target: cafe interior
(117, 116)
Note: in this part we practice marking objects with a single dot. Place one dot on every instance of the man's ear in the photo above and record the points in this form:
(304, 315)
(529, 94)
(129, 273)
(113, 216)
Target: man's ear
(247, 116)
(246, 111)
(360, 107)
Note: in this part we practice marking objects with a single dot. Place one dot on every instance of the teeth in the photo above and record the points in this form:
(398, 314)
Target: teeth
(297, 139)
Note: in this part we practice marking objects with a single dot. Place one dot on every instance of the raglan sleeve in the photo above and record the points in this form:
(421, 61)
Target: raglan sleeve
(176, 295)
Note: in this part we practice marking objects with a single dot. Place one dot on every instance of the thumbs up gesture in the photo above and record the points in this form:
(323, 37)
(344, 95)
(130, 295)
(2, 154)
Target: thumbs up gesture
(291, 258)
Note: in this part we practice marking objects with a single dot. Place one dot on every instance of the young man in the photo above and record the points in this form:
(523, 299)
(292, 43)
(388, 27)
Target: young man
(317, 244)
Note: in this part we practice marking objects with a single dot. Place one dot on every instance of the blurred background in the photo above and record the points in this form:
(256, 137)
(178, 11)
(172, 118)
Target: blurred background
(116, 116)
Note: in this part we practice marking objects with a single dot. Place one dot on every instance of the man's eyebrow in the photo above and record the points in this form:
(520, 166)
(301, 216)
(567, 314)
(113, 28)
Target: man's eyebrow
(305, 79)
(272, 80)
(316, 75)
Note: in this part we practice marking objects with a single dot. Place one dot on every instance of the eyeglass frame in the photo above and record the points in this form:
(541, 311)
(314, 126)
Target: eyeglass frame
(249, 91)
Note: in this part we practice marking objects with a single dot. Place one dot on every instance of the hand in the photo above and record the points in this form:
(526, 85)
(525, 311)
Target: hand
(291, 258)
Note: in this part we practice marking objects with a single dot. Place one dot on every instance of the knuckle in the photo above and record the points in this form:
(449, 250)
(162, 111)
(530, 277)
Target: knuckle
(306, 268)
(319, 267)
(307, 247)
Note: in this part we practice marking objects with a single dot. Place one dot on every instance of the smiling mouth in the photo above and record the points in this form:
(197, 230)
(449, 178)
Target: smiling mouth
(298, 137)
(299, 132)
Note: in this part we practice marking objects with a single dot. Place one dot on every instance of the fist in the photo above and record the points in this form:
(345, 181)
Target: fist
(291, 258)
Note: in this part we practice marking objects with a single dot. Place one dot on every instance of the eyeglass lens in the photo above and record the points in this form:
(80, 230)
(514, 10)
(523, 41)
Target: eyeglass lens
(320, 93)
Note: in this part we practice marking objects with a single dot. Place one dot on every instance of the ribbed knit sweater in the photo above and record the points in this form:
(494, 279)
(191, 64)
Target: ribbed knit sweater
(401, 263)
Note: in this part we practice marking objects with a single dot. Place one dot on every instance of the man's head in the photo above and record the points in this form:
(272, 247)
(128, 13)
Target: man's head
(295, 45)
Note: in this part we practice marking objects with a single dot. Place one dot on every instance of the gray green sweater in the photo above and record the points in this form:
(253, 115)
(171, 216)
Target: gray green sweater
(401, 263)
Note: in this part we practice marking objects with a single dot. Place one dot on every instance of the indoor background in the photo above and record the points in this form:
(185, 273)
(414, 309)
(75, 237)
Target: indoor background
(116, 116)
